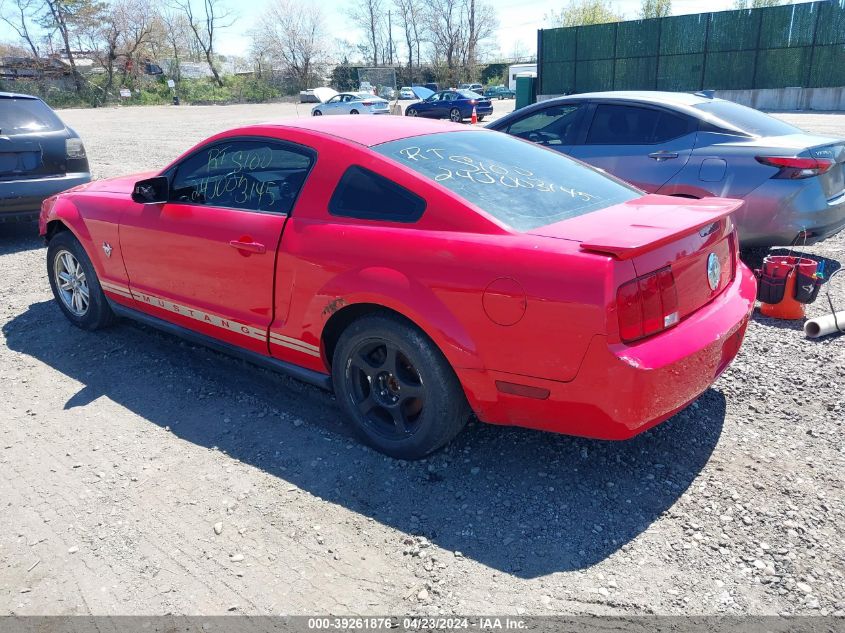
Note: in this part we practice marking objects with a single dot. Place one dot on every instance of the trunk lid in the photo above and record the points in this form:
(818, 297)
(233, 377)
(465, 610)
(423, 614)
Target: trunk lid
(32, 155)
(656, 231)
(833, 180)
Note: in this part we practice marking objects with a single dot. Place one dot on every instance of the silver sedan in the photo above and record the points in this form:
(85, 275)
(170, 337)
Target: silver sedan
(694, 146)
(352, 103)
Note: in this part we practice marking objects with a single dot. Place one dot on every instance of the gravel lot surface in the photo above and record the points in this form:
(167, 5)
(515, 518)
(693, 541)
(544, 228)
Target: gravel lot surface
(140, 474)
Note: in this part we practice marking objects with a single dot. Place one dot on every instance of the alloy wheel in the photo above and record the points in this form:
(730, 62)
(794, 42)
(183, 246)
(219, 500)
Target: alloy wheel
(71, 283)
(455, 115)
(386, 389)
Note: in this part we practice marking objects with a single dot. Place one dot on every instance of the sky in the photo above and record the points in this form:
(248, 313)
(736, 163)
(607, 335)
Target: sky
(519, 21)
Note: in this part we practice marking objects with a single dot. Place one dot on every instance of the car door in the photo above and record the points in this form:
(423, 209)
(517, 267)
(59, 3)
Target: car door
(557, 127)
(641, 144)
(206, 258)
(334, 105)
(428, 107)
(447, 102)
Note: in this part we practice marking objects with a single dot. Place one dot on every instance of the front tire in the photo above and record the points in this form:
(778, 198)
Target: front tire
(75, 285)
(317, 113)
(398, 389)
(410, 112)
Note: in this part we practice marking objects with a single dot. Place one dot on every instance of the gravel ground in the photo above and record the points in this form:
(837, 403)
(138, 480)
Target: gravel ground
(143, 475)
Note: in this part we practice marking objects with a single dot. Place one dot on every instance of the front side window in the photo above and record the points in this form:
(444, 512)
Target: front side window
(556, 125)
(520, 184)
(633, 125)
(253, 175)
(365, 195)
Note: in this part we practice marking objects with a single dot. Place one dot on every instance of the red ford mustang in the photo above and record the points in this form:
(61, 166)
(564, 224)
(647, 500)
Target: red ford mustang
(421, 270)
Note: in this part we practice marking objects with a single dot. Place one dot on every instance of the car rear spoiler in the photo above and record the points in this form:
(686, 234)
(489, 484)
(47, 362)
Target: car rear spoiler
(649, 230)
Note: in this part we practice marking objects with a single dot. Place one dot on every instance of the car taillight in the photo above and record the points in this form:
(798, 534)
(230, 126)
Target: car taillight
(796, 167)
(647, 305)
(74, 148)
(367, 103)
(472, 101)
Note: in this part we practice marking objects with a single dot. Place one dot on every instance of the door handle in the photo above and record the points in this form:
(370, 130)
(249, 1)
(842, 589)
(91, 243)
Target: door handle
(252, 247)
(663, 155)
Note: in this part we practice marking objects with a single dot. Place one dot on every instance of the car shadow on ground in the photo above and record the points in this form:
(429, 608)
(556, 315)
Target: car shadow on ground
(523, 502)
(19, 236)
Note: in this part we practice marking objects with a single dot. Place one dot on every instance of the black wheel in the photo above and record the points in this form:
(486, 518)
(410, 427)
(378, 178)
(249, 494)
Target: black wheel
(317, 113)
(455, 115)
(397, 387)
(353, 112)
(75, 285)
(501, 97)
(410, 112)
(480, 118)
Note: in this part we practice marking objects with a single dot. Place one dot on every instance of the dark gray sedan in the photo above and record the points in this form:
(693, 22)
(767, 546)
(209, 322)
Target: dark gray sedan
(39, 156)
(692, 146)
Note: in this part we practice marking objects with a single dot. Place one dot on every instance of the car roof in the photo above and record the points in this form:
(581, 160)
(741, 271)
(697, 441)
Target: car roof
(369, 131)
(14, 95)
(646, 96)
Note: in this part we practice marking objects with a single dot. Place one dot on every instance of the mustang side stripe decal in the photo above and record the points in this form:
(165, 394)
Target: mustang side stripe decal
(212, 319)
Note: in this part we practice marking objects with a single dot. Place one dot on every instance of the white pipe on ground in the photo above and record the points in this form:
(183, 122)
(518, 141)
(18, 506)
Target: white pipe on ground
(822, 326)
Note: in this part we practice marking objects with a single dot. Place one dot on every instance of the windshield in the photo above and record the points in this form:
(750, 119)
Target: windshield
(746, 119)
(23, 116)
(524, 186)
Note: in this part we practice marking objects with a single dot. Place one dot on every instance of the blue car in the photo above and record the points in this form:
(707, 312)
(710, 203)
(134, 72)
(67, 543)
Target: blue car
(455, 105)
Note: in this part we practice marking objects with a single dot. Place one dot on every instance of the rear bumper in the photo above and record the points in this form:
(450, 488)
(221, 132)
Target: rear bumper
(622, 390)
(779, 210)
(22, 198)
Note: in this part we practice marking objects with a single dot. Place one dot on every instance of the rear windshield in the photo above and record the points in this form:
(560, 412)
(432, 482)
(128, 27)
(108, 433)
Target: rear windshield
(22, 116)
(468, 94)
(746, 119)
(520, 184)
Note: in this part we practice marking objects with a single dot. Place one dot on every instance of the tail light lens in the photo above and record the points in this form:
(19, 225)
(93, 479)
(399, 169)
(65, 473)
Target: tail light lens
(647, 305)
(366, 103)
(74, 148)
(796, 168)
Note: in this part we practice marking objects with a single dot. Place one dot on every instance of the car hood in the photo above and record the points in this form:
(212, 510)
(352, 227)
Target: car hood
(324, 94)
(120, 184)
(422, 92)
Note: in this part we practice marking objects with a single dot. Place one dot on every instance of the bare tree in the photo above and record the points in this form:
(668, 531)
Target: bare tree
(481, 24)
(177, 35)
(368, 15)
(293, 33)
(19, 15)
(71, 19)
(204, 25)
(410, 20)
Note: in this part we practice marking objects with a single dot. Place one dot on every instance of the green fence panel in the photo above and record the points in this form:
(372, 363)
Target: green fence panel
(831, 25)
(733, 30)
(828, 68)
(683, 34)
(789, 25)
(558, 78)
(782, 67)
(637, 39)
(596, 41)
(594, 75)
(680, 72)
(558, 45)
(635, 73)
(730, 70)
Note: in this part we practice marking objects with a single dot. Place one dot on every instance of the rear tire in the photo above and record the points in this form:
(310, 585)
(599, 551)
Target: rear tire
(75, 285)
(455, 116)
(398, 389)
(353, 112)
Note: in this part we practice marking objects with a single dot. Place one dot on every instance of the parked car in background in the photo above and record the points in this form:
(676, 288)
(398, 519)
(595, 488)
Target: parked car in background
(500, 92)
(39, 156)
(695, 146)
(367, 87)
(352, 103)
(455, 105)
(432, 86)
(474, 87)
(405, 92)
(423, 272)
(387, 93)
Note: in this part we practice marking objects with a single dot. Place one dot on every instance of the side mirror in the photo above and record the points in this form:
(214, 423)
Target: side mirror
(151, 191)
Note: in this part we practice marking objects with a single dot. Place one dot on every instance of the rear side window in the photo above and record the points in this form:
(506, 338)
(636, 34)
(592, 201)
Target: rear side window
(364, 194)
(632, 125)
(25, 116)
(520, 184)
(746, 119)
